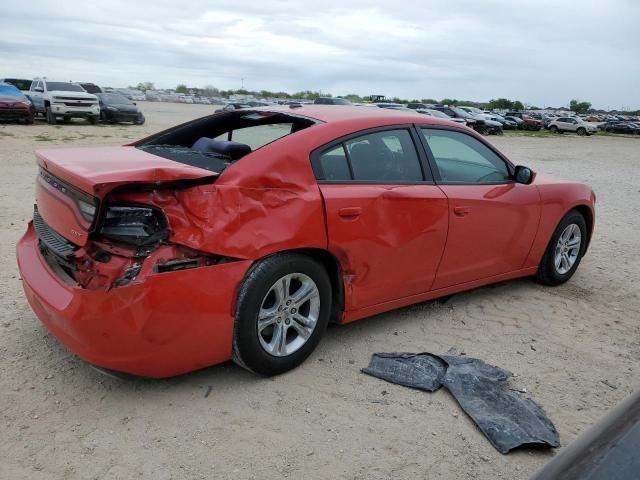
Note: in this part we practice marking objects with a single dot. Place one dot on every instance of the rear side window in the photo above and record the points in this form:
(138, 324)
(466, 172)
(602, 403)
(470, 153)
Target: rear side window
(388, 156)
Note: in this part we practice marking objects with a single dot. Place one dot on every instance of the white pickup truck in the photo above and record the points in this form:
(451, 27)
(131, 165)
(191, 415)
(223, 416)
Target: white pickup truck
(63, 99)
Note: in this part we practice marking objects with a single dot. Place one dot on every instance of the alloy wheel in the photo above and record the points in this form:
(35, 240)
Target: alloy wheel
(567, 248)
(288, 314)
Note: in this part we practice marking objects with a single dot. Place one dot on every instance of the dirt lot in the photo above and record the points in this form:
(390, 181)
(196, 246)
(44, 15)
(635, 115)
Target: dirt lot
(62, 419)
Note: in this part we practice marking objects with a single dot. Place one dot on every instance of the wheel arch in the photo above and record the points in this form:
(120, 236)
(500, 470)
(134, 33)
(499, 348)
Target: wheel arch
(587, 213)
(334, 270)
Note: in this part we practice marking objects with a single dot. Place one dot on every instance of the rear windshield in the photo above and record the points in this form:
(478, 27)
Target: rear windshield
(224, 137)
(114, 99)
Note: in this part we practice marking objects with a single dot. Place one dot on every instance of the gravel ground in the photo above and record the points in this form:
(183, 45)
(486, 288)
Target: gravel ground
(575, 349)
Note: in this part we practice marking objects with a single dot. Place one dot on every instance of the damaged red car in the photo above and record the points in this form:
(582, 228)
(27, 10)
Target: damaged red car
(240, 235)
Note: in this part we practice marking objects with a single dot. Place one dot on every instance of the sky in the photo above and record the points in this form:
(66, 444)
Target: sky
(541, 52)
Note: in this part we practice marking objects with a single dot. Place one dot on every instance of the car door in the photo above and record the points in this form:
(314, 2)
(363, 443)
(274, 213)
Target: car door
(492, 219)
(35, 93)
(386, 219)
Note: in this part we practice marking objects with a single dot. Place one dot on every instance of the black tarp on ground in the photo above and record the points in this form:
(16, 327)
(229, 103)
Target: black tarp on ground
(508, 419)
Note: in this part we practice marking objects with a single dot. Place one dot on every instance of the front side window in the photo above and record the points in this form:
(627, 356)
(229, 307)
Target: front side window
(460, 158)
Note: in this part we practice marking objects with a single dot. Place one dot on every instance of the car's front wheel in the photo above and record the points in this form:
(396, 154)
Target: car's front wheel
(554, 129)
(565, 250)
(581, 131)
(282, 311)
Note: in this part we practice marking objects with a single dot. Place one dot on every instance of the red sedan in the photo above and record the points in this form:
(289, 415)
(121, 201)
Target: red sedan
(242, 234)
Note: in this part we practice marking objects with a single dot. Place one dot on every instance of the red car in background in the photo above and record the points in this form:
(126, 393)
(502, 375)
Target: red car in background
(242, 234)
(15, 105)
(529, 123)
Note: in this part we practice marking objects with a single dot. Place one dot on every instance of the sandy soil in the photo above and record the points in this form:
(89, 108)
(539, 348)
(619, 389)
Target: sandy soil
(62, 419)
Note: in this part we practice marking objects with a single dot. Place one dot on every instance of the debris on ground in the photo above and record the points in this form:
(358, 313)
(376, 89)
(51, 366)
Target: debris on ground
(508, 420)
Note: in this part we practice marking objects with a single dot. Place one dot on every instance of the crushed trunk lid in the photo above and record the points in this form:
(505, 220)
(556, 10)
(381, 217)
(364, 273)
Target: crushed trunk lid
(72, 182)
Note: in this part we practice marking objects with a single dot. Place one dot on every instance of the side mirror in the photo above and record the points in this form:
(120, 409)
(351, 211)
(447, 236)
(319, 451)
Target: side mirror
(134, 103)
(523, 175)
(39, 89)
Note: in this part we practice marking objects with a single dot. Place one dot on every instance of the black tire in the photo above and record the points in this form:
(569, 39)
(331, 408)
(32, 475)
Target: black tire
(499, 131)
(51, 118)
(554, 129)
(581, 131)
(103, 116)
(29, 120)
(93, 119)
(248, 351)
(66, 119)
(547, 273)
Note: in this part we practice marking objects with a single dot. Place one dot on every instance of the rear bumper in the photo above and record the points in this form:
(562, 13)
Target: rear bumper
(162, 325)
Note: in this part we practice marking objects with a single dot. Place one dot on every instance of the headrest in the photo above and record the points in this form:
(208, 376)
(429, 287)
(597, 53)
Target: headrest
(234, 150)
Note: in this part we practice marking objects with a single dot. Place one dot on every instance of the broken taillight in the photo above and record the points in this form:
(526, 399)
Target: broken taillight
(134, 225)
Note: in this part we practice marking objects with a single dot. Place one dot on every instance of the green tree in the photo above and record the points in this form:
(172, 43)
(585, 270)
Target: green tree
(517, 105)
(210, 91)
(182, 88)
(500, 104)
(579, 107)
(144, 86)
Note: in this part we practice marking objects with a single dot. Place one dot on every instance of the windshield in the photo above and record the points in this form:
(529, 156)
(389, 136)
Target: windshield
(114, 98)
(341, 101)
(438, 114)
(461, 112)
(64, 87)
(19, 83)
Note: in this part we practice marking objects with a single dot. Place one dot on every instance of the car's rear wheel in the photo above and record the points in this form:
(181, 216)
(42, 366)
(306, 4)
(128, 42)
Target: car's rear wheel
(51, 118)
(554, 129)
(565, 250)
(282, 311)
(581, 131)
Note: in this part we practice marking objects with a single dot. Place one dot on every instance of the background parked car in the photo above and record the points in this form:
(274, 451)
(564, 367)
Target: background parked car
(331, 101)
(528, 122)
(115, 107)
(20, 83)
(620, 127)
(438, 114)
(63, 99)
(518, 121)
(14, 105)
(233, 106)
(91, 88)
(572, 124)
(494, 117)
(454, 112)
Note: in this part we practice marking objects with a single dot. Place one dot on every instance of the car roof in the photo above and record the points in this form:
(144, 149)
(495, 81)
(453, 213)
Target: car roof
(348, 113)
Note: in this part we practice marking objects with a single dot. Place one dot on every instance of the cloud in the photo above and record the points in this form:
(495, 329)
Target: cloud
(543, 52)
